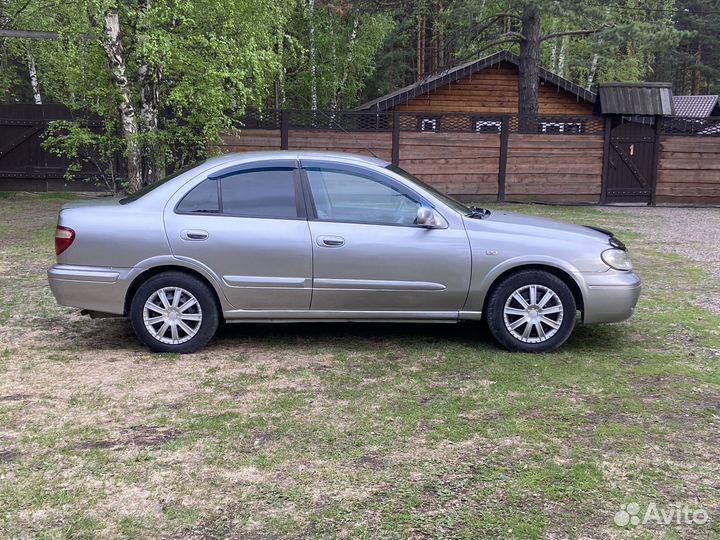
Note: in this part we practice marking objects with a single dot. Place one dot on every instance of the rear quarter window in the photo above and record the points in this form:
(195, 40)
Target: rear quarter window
(202, 199)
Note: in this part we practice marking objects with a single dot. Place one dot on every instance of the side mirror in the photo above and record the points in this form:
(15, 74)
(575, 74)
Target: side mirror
(430, 219)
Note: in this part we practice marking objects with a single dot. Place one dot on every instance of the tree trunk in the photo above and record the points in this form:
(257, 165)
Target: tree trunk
(529, 69)
(348, 61)
(313, 60)
(32, 71)
(149, 77)
(593, 68)
(112, 44)
(149, 99)
(696, 70)
(280, 82)
(334, 64)
(421, 48)
(441, 47)
(561, 57)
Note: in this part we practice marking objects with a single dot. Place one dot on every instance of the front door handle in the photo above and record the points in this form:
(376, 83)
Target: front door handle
(330, 241)
(194, 234)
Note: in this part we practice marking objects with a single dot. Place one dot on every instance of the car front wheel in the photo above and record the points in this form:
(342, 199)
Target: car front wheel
(174, 312)
(531, 311)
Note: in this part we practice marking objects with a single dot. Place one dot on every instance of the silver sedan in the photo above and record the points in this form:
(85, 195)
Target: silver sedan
(300, 236)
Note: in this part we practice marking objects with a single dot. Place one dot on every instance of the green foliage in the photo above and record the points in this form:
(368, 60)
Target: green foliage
(201, 62)
(81, 144)
(346, 42)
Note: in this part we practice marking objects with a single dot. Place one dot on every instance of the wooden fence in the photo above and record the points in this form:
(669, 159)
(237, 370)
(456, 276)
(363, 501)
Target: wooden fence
(467, 156)
(689, 170)
(571, 159)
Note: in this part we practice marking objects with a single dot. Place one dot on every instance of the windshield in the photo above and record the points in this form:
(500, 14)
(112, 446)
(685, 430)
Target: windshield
(147, 189)
(452, 203)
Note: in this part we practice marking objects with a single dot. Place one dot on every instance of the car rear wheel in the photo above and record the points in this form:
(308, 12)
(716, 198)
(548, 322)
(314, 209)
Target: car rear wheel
(174, 312)
(531, 311)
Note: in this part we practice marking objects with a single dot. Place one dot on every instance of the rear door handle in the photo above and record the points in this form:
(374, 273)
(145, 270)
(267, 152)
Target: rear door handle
(330, 241)
(194, 234)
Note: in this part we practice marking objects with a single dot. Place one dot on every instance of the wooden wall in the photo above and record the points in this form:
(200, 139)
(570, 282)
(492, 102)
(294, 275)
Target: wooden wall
(689, 170)
(354, 143)
(459, 164)
(554, 168)
(367, 144)
(494, 90)
(251, 140)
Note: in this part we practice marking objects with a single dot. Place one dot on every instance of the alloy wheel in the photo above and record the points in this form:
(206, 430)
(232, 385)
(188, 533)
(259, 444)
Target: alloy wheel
(533, 313)
(172, 315)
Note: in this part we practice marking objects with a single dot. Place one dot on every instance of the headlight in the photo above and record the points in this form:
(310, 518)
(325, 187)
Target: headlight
(617, 259)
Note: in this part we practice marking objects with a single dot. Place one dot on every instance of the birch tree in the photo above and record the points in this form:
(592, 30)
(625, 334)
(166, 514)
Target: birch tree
(167, 77)
(112, 44)
(335, 45)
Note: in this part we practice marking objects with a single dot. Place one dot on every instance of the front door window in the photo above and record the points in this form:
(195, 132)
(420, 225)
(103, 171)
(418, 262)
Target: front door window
(348, 196)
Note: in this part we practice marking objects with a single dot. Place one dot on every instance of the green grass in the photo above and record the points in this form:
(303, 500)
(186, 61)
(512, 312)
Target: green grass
(362, 431)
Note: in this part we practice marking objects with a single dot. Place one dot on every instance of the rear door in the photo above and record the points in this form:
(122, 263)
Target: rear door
(248, 225)
(368, 254)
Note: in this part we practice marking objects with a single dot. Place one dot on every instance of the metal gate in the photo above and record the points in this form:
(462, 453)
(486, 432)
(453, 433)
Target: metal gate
(25, 164)
(632, 163)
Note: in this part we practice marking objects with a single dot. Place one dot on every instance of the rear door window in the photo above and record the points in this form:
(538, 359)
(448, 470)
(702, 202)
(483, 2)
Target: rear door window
(262, 193)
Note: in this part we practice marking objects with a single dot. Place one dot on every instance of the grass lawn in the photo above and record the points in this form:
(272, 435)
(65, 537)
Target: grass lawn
(359, 431)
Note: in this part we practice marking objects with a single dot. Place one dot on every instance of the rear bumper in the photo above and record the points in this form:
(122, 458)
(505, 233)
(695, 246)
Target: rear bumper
(610, 296)
(89, 287)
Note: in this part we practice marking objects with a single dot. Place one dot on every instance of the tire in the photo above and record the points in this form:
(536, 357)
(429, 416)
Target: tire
(521, 325)
(184, 327)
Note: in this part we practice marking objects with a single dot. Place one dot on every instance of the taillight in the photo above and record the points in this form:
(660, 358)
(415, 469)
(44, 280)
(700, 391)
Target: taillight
(64, 237)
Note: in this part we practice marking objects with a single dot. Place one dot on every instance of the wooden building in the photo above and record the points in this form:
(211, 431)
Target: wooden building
(485, 86)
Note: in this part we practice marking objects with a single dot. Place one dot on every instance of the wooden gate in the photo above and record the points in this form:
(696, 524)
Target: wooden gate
(25, 165)
(631, 163)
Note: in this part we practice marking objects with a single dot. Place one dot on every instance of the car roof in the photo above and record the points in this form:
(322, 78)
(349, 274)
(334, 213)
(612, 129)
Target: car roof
(245, 157)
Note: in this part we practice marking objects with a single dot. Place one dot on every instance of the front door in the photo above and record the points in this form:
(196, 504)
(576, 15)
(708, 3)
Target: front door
(632, 163)
(248, 226)
(369, 256)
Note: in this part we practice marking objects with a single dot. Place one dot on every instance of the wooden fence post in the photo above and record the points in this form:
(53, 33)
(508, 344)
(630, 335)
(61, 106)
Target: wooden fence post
(284, 128)
(502, 166)
(396, 139)
(606, 161)
(656, 158)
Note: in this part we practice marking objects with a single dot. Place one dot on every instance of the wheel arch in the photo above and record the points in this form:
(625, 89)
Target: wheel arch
(562, 273)
(162, 268)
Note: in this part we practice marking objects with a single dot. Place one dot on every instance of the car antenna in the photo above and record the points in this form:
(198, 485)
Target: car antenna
(332, 120)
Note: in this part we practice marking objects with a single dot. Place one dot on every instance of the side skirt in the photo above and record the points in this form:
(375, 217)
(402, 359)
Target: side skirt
(259, 315)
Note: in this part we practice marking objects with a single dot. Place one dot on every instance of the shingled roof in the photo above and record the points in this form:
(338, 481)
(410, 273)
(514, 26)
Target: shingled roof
(456, 73)
(695, 106)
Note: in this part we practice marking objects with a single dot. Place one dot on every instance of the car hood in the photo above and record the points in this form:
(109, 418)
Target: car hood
(512, 223)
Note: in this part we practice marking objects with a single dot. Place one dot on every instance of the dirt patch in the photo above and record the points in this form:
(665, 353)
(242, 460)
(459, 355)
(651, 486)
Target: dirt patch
(9, 456)
(261, 439)
(150, 435)
(373, 463)
(135, 436)
(15, 397)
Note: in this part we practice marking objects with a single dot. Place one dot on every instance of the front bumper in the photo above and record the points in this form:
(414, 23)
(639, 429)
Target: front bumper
(610, 296)
(89, 287)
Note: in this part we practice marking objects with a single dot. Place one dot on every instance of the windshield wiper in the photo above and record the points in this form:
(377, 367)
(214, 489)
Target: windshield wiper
(477, 212)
